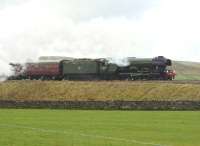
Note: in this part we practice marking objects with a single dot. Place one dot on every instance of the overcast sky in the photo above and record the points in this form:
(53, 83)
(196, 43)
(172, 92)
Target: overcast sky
(99, 28)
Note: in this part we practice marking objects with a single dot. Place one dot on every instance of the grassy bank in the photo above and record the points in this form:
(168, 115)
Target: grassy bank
(101, 91)
(98, 128)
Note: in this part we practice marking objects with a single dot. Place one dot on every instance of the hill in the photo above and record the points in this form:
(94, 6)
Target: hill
(187, 70)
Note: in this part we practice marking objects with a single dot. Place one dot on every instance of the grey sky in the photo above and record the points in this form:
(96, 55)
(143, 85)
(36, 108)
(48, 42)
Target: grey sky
(98, 28)
(87, 9)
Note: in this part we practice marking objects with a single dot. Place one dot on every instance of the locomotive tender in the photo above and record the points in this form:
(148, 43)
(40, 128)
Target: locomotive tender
(95, 69)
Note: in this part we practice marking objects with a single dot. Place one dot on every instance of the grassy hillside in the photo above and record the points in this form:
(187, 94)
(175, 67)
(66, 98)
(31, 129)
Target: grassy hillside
(112, 90)
(187, 70)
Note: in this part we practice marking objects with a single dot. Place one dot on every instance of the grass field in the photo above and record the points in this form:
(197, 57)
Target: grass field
(98, 128)
(101, 91)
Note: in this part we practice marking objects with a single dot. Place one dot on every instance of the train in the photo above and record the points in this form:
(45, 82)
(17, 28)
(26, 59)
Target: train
(95, 69)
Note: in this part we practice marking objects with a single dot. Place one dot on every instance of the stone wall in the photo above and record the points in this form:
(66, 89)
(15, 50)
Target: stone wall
(104, 105)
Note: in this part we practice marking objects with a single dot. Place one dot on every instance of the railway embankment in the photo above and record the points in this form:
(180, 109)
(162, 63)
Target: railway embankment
(121, 95)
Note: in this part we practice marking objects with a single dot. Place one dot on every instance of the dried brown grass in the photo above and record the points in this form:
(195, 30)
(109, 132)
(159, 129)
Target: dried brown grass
(101, 90)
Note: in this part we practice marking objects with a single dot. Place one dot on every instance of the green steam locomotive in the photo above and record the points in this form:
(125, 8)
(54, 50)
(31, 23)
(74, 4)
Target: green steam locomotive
(95, 69)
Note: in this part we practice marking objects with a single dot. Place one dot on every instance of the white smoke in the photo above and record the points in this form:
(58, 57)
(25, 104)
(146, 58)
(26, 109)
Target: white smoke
(98, 28)
(119, 61)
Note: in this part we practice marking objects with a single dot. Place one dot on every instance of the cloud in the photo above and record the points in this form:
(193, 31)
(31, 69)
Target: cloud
(91, 28)
(99, 28)
(174, 29)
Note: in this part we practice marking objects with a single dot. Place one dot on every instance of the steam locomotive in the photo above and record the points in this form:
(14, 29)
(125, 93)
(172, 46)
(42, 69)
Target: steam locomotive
(95, 69)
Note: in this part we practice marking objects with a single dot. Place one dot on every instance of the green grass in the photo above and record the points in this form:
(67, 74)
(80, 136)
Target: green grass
(188, 77)
(187, 70)
(98, 128)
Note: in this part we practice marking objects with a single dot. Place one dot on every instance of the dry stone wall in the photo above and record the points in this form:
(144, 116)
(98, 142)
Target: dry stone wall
(103, 105)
